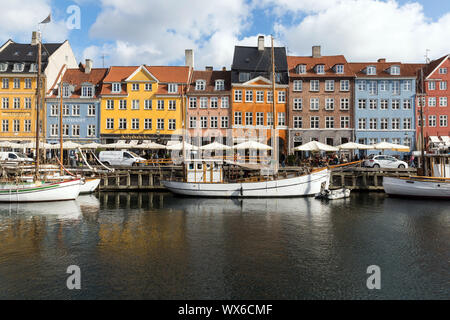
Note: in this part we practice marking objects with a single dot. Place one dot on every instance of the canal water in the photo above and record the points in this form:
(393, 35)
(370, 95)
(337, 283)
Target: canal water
(157, 246)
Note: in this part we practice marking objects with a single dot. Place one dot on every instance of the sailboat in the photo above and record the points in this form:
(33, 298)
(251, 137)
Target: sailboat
(37, 190)
(205, 178)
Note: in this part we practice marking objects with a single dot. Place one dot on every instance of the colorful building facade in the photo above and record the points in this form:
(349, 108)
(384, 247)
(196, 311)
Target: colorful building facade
(320, 99)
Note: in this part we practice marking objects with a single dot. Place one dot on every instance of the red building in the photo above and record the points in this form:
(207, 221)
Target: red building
(435, 102)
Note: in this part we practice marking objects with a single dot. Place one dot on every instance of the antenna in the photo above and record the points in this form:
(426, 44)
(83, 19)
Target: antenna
(103, 59)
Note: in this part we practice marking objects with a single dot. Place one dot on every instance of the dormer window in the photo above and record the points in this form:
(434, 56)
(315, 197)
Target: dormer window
(33, 67)
(173, 88)
(87, 91)
(3, 67)
(300, 69)
(244, 76)
(18, 67)
(66, 91)
(371, 70)
(200, 85)
(220, 85)
(395, 70)
(116, 87)
(320, 69)
(339, 68)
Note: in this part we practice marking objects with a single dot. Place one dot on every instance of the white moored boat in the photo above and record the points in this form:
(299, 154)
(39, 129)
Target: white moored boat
(417, 187)
(89, 185)
(40, 192)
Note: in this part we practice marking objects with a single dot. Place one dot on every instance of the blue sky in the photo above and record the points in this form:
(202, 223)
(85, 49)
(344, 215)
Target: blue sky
(125, 32)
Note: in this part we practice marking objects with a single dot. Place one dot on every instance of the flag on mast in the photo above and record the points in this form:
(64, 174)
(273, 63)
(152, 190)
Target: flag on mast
(47, 20)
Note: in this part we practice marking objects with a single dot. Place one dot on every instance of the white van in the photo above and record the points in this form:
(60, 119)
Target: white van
(14, 156)
(119, 158)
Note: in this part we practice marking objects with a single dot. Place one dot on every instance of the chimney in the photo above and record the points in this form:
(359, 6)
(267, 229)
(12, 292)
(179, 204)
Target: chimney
(382, 60)
(261, 43)
(189, 58)
(316, 52)
(208, 68)
(88, 66)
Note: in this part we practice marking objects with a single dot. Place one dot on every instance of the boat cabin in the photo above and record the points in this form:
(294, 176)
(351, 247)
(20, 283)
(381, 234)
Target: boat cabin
(204, 171)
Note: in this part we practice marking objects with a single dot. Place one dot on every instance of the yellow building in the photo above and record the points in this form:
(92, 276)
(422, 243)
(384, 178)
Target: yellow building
(142, 103)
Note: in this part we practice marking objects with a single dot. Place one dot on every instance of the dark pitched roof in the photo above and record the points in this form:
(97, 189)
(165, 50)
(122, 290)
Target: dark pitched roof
(259, 63)
(433, 65)
(210, 77)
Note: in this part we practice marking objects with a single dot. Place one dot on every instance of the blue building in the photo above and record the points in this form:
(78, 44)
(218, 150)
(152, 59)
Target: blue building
(384, 103)
(81, 105)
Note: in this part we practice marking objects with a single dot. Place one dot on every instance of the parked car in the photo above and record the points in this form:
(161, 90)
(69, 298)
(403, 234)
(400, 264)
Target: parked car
(119, 158)
(383, 161)
(14, 156)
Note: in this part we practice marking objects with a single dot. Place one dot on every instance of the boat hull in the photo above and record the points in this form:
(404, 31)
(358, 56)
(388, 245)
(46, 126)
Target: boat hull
(89, 186)
(416, 188)
(301, 186)
(61, 191)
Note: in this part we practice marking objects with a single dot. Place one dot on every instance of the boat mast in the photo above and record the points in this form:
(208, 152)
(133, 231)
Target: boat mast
(38, 104)
(274, 143)
(421, 101)
(183, 131)
(61, 151)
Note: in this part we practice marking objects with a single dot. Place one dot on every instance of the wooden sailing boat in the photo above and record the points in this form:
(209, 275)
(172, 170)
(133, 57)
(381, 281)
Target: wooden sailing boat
(205, 178)
(36, 190)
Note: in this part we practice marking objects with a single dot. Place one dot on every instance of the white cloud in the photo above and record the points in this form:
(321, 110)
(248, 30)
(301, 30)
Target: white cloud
(19, 18)
(369, 29)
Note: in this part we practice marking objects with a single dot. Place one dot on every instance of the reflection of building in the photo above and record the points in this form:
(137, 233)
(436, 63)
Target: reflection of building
(252, 109)
(435, 102)
(18, 72)
(385, 101)
(209, 104)
(81, 104)
(320, 99)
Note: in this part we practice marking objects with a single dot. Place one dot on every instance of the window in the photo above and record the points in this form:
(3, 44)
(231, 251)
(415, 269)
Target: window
(298, 122)
(203, 102)
(372, 87)
(361, 104)
(329, 122)
(16, 125)
(443, 121)
(147, 104)
(148, 87)
(432, 121)
(192, 122)
(260, 118)
(361, 85)
(225, 102)
(407, 85)
(27, 125)
(407, 124)
(16, 103)
(192, 102)
(122, 124)
(314, 85)
(160, 105)
(383, 85)
(431, 85)
(384, 103)
(432, 102)
(329, 85)
(269, 118)
(329, 104)
(109, 104)
(384, 123)
(301, 69)
(443, 85)
(407, 104)
(173, 88)
(373, 140)
(314, 104)
(54, 130)
(249, 118)
(27, 103)
(66, 91)
(442, 70)
(54, 110)
(147, 124)
(172, 124)
(16, 83)
(213, 122)
(135, 87)
(395, 124)
(373, 104)
(76, 130)
(238, 118)
(362, 124)
(110, 124)
(395, 104)
(200, 85)
(123, 104)
(5, 83)
(314, 122)
(395, 70)
(65, 130)
(172, 105)
(373, 124)
(345, 85)
(396, 87)
(91, 130)
(371, 70)
(224, 122)
(214, 103)
(340, 68)
(66, 110)
(269, 96)
(281, 97)
(407, 142)
(345, 122)
(160, 124)
(244, 76)
(320, 69)
(238, 95)
(345, 104)
(298, 103)
(33, 67)
(298, 85)
(27, 83)
(87, 91)
(116, 87)
(443, 101)
(18, 67)
(203, 122)
(3, 67)
(259, 96)
(248, 96)
(281, 119)
(219, 85)
(91, 110)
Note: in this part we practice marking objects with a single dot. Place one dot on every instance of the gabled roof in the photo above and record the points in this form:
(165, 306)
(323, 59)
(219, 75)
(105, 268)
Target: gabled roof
(310, 62)
(210, 78)
(406, 69)
(119, 74)
(252, 60)
(432, 67)
(170, 74)
(145, 70)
